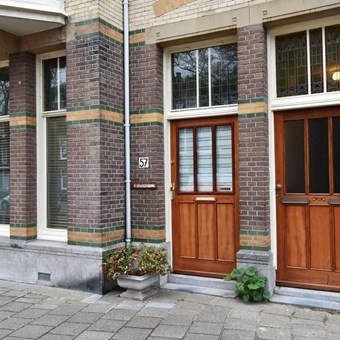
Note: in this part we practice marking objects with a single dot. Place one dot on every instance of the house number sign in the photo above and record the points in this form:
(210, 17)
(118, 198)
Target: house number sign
(143, 162)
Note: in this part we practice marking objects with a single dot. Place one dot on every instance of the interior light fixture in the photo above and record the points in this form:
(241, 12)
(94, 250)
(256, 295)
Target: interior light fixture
(336, 76)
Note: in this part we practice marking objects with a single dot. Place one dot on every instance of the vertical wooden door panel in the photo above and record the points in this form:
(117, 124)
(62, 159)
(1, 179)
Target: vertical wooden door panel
(225, 231)
(336, 221)
(296, 236)
(187, 228)
(320, 245)
(206, 231)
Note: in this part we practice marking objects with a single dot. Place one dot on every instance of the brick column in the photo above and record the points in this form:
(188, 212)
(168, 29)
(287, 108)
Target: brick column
(22, 107)
(253, 151)
(95, 134)
(147, 139)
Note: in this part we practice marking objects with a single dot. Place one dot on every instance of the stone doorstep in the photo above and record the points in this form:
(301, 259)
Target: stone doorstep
(201, 281)
(306, 298)
(200, 285)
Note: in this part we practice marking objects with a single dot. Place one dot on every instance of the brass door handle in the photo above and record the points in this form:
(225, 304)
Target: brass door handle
(278, 186)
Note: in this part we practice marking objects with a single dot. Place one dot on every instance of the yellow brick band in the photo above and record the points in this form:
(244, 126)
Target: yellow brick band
(95, 27)
(148, 234)
(23, 232)
(161, 7)
(23, 120)
(114, 117)
(147, 118)
(249, 108)
(137, 38)
(99, 238)
(255, 240)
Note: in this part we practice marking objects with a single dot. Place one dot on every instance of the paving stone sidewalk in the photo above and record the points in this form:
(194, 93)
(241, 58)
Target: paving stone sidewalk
(38, 312)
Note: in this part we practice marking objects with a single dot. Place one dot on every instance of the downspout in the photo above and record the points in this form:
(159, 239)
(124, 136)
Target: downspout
(127, 124)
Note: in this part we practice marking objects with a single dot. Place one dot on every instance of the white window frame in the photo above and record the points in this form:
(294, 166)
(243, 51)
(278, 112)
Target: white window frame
(5, 228)
(170, 114)
(195, 112)
(305, 100)
(45, 233)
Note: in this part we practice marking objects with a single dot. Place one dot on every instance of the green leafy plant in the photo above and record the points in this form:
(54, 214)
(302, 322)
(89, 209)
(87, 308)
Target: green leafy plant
(132, 260)
(249, 286)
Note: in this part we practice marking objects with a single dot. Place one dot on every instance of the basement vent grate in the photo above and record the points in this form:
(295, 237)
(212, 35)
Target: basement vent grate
(44, 277)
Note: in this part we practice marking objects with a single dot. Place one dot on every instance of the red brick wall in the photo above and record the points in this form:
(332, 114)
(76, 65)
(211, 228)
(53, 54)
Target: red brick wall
(22, 109)
(253, 138)
(252, 62)
(146, 77)
(95, 144)
(147, 139)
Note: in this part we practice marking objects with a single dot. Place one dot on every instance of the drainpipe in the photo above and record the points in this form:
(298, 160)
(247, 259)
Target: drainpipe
(127, 124)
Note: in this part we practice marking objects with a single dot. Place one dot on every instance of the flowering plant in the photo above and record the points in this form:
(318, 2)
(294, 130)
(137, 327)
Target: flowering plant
(131, 260)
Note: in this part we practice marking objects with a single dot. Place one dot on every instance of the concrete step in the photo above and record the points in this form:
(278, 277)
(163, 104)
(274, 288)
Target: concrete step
(200, 285)
(306, 298)
(308, 293)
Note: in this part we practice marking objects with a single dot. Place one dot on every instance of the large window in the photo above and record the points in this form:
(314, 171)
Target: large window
(204, 77)
(308, 62)
(4, 90)
(4, 146)
(52, 149)
(54, 73)
(56, 173)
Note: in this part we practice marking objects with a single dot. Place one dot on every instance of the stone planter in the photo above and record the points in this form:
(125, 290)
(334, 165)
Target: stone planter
(138, 287)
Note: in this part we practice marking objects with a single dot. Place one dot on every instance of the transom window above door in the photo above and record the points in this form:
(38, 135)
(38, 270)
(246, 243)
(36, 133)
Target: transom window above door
(308, 62)
(204, 77)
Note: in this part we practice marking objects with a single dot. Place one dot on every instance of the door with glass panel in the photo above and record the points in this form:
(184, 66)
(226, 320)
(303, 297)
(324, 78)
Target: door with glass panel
(307, 144)
(204, 196)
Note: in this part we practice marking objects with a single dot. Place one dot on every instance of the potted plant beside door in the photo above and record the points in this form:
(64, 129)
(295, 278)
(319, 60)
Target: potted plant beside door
(137, 269)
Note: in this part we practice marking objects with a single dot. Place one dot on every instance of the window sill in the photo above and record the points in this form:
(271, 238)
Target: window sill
(203, 112)
(305, 101)
(50, 247)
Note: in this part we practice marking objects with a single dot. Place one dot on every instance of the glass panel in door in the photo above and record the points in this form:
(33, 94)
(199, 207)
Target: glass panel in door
(186, 160)
(336, 154)
(318, 155)
(295, 156)
(224, 169)
(204, 160)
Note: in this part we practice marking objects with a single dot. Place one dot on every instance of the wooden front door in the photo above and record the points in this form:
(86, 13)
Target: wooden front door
(205, 196)
(307, 144)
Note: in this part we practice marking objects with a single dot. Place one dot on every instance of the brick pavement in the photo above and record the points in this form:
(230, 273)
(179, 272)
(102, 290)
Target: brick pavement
(39, 312)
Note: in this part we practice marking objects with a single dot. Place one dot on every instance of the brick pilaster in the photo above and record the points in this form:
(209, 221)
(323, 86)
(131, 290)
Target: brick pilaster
(147, 139)
(22, 113)
(253, 138)
(95, 134)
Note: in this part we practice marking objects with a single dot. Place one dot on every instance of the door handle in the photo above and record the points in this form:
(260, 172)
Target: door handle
(278, 186)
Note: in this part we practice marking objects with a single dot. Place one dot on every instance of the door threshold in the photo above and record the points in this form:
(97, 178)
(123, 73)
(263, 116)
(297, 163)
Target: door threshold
(306, 298)
(200, 285)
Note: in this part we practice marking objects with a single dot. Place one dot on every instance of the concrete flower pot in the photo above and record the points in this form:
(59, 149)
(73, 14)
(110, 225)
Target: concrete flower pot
(138, 287)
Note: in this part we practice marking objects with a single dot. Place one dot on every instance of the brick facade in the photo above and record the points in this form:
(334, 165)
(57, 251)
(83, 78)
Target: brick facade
(23, 174)
(95, 136)
(148, 13)
(147, 140)
(253, 138)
